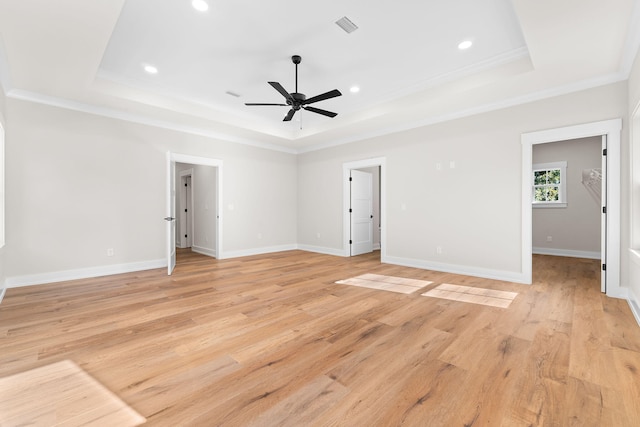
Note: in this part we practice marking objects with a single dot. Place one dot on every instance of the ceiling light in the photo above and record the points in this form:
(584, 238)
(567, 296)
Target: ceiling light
(151, 69)
(354, 89)
(465, 44)
(200, 5)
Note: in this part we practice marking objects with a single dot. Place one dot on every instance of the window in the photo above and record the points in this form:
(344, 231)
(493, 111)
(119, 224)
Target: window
(549, 185)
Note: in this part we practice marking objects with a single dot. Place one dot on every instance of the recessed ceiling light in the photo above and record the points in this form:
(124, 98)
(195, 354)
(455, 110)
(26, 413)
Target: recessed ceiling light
(465, 44)
(151, 69)
(354, 89)
(200, 5)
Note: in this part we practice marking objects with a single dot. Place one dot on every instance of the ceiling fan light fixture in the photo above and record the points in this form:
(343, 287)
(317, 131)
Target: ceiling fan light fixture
(346, 24)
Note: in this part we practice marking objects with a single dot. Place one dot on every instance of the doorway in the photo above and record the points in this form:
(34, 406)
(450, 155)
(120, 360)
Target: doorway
(364, 229)
(212, 214)
(568, 201)
(185, 209)
(609, 130)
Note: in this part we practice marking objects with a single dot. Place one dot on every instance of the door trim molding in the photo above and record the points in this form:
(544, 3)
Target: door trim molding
(346, 200)
(190, 231)
(206, 161)
(612, 129)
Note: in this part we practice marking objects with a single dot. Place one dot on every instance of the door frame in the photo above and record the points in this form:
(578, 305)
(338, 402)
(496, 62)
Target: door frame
(174, 158)
(346, 202)
(190, 212)
(353, 242)
(612, 130)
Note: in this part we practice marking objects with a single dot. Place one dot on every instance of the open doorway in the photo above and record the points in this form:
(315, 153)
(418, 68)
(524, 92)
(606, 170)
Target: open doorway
(205, 178)
(609, 131)
(184, 206)
(569, 199)
(364, 199)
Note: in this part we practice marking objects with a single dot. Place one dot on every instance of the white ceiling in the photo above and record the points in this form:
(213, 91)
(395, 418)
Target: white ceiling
(89, 55)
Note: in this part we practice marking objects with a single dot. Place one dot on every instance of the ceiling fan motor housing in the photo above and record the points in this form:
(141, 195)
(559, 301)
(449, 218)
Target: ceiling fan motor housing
(298, 101)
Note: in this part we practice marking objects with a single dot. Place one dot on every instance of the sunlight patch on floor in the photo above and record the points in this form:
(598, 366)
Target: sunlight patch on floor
(472, 295)
(61, 394)
(386, 283)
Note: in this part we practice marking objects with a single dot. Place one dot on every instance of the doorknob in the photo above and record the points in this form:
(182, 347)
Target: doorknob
(169, 218)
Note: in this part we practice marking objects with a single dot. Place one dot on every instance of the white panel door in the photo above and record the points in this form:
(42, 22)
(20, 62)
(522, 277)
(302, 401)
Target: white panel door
(603, 216)
(361, 212)
(171, 215)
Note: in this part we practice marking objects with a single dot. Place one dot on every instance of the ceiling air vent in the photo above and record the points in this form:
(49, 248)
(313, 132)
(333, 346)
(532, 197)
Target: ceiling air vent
(230, 93)
(346, 24)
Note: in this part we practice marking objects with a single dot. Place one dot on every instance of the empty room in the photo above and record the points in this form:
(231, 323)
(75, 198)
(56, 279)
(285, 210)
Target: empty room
(235, 213)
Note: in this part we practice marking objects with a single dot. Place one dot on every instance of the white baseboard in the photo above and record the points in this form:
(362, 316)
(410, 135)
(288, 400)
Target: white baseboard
(204, 251)
(2, 292)
(507, 276)
(258, 251)
(376, 246)
(566, 252)
(321, 250)
(634, 304)
(83, 273)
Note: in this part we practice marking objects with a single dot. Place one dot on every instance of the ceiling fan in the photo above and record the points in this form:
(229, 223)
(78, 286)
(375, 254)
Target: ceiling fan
(297, 100)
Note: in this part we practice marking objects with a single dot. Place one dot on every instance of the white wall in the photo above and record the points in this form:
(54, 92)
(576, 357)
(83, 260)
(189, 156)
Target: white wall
(473, 210)
(79, 184)
(575, 230)
(631, 272)
(2, 250)
(204, 198)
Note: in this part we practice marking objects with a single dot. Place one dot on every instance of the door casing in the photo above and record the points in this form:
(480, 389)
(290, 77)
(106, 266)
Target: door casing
(611, 129)
(172, 158)
(346, 201)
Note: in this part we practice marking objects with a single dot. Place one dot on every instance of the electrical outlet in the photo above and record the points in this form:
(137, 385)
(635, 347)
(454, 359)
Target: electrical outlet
(259, 236)
(318, 235)
(549, 239)
(110, 252)
(439, 250)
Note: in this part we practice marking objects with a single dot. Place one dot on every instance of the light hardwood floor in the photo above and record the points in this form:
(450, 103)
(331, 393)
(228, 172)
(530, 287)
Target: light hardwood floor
(271, 340)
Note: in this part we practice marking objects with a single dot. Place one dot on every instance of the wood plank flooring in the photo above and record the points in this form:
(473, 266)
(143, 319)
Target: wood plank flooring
(272, 340)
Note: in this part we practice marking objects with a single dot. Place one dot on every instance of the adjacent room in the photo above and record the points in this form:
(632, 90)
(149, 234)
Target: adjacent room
(309, 214)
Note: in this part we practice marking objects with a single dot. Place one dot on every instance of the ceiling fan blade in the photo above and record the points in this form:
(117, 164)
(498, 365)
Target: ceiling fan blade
(319, 111)
(289, 115)
(322, 97)
(254, 103)
(277, 86)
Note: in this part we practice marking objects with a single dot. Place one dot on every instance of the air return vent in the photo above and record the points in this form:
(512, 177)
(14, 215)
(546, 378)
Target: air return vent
(346, 24)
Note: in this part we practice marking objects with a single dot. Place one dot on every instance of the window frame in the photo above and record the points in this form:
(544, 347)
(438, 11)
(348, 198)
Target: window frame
(562, 187)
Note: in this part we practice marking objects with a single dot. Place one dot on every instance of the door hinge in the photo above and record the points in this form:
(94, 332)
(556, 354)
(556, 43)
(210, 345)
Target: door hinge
(350, 210)
(604, 267)
(350, 179)
(185, 184)
(185, 210)
(604, 152)
(185, 236)
(351, 242)
(604, 209)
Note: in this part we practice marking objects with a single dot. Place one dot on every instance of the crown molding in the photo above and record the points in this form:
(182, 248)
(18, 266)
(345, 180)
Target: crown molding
(485, 108)
(24, 95)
